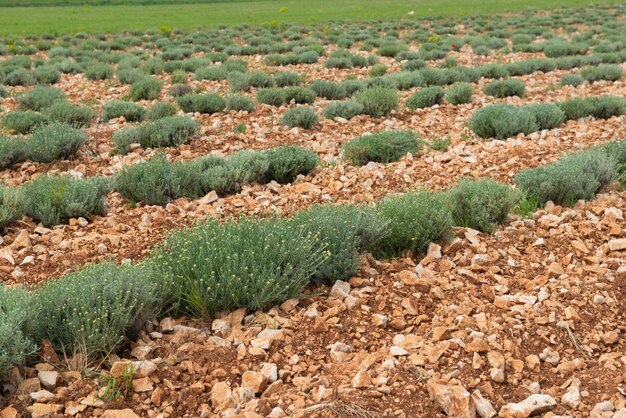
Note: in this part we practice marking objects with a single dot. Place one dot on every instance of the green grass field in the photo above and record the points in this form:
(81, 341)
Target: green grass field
(110, 18)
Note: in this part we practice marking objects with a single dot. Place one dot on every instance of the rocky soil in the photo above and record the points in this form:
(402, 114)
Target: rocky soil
(526, 321)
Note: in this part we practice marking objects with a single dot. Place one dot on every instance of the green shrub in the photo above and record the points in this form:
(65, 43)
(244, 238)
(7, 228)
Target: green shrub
(161, 110)
(239, 103)
(482, 204)
(378, 70)
(96, 309)
(259, 79)
(178, 77)
(158, 181)
(53, 200)
(300, 95)
(147, 88)
(571, 80)
(202, 103)
(600, 107)
(16, 314)
(346, 231)
(559, 48)
(414, 220)
(4, 93)
(606, 106)
(502, 121)
(74, 115)
(19, 77)
(272, 96)
(10, 208)
(170, 131)
(153, 65)
(132, 112)
(391, 49)
(23, 122)
(251, 263)
(99, 71)
(302, 117)
(494, 71)
(577, 108)
(610, 72)
(126, 75)
(381, 147)
(426, 97)
(239, 82)
(505, 88)
(345, 110)
(547, 115)
(352, 86)
(214, 73)
(47, 75)
(53, 142)
(286, 162)
(328, 89)
(287, 78)
(571, 178)
(40, 97)
(377, 102)
(229, 175)
(521, 38)
(459, 93)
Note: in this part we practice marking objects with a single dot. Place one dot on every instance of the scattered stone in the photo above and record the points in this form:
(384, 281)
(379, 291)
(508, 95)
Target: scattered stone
(533, 405)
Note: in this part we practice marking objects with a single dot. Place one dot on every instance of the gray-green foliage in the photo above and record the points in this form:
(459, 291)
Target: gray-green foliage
(286, 162)
(147, 88)
(15, 319)
(414, 219)
(23, 121)
(573, 177)
(346, 231)
(482, 204)
(250, 263)
(169, 131)
(132, 112)
(202, 103)
(54, 141)
(71, 114)
(377, 101)
(161, 110)
(384, 147)
(40, 97)
(10, 207)
(157, 181)
(99, 71)
(459, 93)
(272, 96)
(505, 88)
(610, 72)
(426, 97)
(239, 103)
(547, 115)
(343, 109)
(502, 121)
(96, 309)
(302, 117)
(571, 80)
(54, 199)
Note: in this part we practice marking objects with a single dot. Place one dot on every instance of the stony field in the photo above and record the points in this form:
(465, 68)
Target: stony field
(414, 218)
